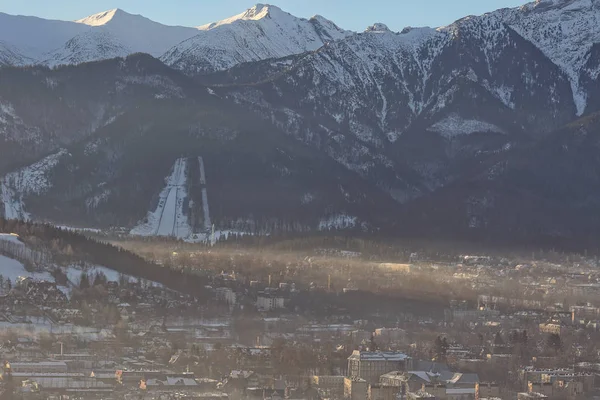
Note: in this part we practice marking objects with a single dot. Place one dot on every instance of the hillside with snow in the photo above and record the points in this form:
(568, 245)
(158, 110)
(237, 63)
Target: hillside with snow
(260, 33)
(17, 185)
(137, 33)
(19, 260)
(170, 216)
(564, 30)
(302, 125)
(115, 33)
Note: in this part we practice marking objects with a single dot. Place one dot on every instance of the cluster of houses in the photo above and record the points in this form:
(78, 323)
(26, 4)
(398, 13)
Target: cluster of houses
(157, 348)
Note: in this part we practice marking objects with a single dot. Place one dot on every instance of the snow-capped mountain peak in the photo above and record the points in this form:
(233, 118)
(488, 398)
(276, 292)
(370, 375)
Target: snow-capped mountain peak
(131, 32)
(378, 27)
(259, 33)
(103, 18)
(256, 13)
(260, 11)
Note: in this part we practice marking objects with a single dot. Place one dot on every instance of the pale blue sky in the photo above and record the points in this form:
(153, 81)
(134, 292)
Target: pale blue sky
(349, 14)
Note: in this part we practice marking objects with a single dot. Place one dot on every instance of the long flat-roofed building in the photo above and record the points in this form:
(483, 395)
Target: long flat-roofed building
(370, 365)
(40, 367)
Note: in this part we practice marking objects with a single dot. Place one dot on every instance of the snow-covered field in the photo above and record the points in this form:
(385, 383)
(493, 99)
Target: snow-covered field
(74, 272)
(13, 269)
(169, 218)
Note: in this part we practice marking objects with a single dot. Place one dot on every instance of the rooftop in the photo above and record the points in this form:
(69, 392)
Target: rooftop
(40, 363)
(461, 391)
(378, 356)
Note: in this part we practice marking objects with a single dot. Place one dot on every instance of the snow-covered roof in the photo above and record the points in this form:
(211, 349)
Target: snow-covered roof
(11, 237)
(237, 374)
(379, 356)
(39, 363)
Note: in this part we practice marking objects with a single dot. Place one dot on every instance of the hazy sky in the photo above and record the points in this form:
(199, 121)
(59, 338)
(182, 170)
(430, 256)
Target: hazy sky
(349, 14)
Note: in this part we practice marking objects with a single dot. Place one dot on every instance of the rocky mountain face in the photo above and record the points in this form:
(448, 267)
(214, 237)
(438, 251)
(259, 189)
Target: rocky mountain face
(262, 32)
(484, 125)
(427, 102)
(42, 110)
(107, 136)
(36, 41)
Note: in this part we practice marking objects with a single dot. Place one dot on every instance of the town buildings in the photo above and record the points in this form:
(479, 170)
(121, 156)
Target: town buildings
(370, 365)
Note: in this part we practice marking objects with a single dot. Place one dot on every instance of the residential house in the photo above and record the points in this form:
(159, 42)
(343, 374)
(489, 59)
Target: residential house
(269, 301)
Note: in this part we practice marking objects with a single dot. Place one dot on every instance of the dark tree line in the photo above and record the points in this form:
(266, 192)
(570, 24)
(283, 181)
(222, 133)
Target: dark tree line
(68, 246)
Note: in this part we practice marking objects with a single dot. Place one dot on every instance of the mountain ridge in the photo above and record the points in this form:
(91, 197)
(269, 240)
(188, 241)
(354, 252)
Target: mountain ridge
(33, 40)
(449, 129)
(261, 32)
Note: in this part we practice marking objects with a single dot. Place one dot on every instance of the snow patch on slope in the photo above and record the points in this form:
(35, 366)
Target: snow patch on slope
(259, 33)
(13, 269)
(455, 125)
(337, 221)
(12, 126)
(99, 19)
(33, 179)
(564, 31)
(10, 55)
(169, 218)
(92, 45)
(502, 93)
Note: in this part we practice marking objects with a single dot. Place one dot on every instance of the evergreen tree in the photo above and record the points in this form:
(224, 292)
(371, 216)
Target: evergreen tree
(554, 343)
(100, 279)
(373, 345)
(440, 348)
(498, 341)
(84, 281)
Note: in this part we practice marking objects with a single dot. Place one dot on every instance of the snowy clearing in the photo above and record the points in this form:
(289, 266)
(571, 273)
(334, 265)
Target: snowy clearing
(455, 125)
(74, 272)
(338, 221)
(13, 269)
(169, 218)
